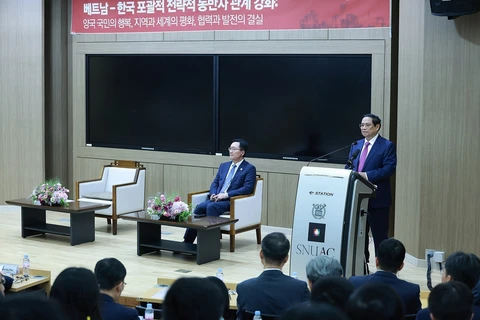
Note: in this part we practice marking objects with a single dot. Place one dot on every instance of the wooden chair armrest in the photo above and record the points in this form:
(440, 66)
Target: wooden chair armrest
(241, 196)
(189, 196)
(199, 192)
(91, 180)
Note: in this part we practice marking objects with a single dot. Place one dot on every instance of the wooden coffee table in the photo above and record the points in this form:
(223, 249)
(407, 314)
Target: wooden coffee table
(149, 235)
(82, 219)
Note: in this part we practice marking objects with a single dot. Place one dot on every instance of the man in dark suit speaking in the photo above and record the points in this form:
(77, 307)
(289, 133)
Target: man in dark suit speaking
(234, 178)
(376, 163)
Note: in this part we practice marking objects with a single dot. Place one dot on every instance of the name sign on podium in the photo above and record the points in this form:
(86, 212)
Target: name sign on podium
(325, 220)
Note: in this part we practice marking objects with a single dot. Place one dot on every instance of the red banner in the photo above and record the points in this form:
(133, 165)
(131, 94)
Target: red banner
(198, 15)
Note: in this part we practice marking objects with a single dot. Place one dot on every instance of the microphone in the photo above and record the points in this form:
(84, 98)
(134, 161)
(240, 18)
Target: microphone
(323, 156)
(354, 155)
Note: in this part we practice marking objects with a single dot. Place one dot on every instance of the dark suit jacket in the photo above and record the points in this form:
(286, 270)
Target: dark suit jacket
(110, 310)
(424, 314)
(271, 292)
(242, 183)
(409, 292)
(380, 166)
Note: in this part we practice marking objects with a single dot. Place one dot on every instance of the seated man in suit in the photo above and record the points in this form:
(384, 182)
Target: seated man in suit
(234, 178)
(322, 266)
(389, 261)
(5, 284)
(462, 267)
(451, 300)
(271, 292)
(110, 275)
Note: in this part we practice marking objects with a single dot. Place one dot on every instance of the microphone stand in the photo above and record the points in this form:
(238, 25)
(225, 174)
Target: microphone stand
(340, 149)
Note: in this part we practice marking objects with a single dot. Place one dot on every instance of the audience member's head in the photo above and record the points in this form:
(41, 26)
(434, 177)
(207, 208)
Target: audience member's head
(463, 267)
(3, 281)
(76, 289)
(391, 254)
(451, 301)
(110, 275)
(275, 248)
(29, 307)
(375, 301)
(322, 266)
(321, 311)
(333, 290)
(193, 299)
(224, 293)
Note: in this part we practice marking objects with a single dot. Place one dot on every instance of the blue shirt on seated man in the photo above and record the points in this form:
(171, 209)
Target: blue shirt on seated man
(461, 267)
(110, 275)
(234, 178)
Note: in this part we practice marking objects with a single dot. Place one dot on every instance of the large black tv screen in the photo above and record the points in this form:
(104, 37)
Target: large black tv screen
(153, 102)
(293, 106)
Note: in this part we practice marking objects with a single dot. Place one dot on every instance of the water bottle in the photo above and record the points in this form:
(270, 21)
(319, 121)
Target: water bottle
(220, 274)
(294, 275)
(26, 265)
(257, 316)
(149, 312)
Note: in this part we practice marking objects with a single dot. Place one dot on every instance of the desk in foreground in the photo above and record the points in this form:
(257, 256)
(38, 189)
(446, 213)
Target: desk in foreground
(157, 293)
(37, 279)
(149, 235)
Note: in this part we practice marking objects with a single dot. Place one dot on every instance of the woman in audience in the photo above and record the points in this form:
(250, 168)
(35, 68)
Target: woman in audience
(76, 289)
(224, 292)
(29, 307)
(375, 301)
(193, 299)
(333, 290)
(316, 311)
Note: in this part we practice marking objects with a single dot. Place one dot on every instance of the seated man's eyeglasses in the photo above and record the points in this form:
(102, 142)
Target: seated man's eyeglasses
(233, 149)
(366, 125)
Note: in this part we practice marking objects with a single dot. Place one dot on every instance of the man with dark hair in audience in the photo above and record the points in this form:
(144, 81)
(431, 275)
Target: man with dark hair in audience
(111, 275)
(193, 299)
(389, 261)
(333, 290)
(375, 301)
(322, 266)
(462, 267)
(451, 301)
(271, 292)
(5, 284)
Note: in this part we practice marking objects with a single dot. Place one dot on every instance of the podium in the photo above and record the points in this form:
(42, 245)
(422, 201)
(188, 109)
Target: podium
(330, 219)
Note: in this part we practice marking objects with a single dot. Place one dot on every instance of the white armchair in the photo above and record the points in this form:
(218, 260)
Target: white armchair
(247, 209)
(122, 185)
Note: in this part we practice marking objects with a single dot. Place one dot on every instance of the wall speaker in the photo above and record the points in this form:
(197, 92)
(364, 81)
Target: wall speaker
(454, 8)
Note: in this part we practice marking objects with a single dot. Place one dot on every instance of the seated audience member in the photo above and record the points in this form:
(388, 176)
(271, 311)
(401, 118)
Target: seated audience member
(5, 283)
(451, 301)
(76, 290)
(110, 275)
(224, 293)
(320, 311)
(462, 267)
(271, 292)
(375, 301)
(322, 266)
(29, 307)
(389, 261)
(234, 178)
(333, 290)
(193, 299)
